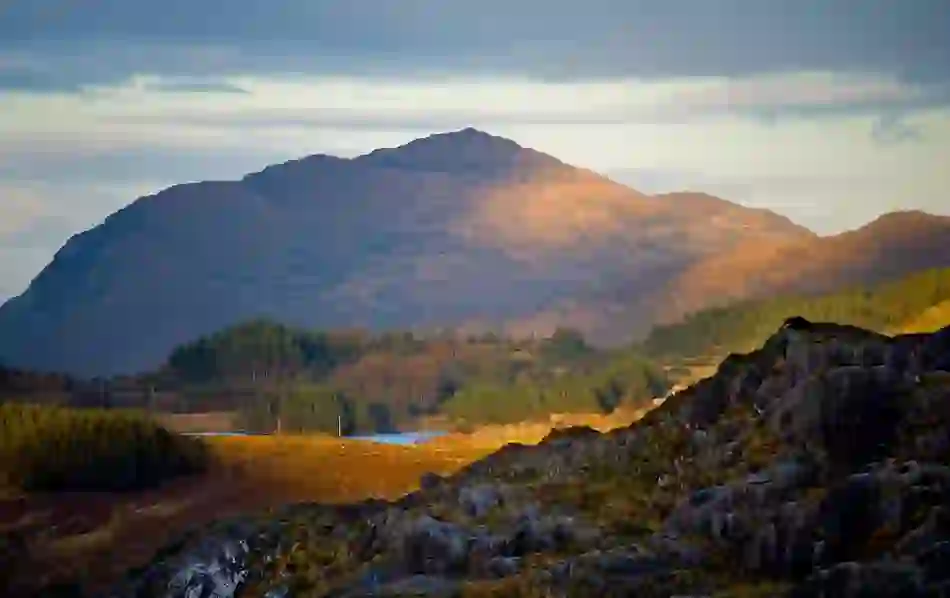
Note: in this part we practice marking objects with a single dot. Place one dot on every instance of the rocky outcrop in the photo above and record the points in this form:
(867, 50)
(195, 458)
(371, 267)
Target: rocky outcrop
(814, 466)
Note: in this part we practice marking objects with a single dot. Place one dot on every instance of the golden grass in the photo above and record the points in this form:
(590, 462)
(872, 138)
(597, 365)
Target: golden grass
(251, 475)
(931, 320)
(494, 436)
(329, 469)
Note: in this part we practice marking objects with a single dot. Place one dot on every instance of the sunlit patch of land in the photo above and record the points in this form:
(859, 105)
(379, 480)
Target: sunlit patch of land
(492, 436)
(932, 319)
(329, 469)
(93, 538)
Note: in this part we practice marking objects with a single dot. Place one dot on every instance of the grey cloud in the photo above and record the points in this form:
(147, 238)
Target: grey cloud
(892, 129)
(440, 119)
(47, 80)
(195, 86)
(33, 80)
(550, 39)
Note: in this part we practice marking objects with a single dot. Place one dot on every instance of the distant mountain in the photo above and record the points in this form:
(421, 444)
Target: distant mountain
(755, 267)
(460, 228)
(891, 246)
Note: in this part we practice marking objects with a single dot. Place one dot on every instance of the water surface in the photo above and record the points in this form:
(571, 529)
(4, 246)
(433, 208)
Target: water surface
(400, 438)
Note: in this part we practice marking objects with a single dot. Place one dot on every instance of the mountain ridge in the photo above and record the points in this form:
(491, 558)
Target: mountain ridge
(446, 230)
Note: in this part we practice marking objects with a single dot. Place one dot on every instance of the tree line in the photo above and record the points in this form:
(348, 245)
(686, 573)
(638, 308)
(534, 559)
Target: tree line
(279, 377)
(297, 380)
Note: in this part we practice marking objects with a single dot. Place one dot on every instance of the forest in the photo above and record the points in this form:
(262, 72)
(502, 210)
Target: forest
(319, 381)
(280, 378)
(743, 326)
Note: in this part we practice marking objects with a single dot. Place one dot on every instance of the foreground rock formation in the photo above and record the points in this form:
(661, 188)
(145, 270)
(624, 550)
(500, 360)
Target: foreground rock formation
(814, 466)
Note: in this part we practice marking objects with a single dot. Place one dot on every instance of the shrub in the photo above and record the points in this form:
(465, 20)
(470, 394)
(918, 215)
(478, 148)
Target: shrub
(44, 448)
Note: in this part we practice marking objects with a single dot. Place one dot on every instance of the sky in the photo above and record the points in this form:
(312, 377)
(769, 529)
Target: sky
(831, 112)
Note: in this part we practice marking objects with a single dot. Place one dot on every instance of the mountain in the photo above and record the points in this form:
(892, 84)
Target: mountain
(460, 229)
(455, 227)
(894, 245)
(890, 246)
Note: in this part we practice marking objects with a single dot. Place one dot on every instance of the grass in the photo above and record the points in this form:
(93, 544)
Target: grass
(94, 538)
(338, 470)
(932, 319)
(492, 436)
(50, 448)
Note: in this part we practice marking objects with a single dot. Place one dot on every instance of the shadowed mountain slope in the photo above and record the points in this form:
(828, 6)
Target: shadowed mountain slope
(460, 228)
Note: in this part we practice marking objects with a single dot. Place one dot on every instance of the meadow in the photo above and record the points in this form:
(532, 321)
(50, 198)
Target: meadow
(70, 541)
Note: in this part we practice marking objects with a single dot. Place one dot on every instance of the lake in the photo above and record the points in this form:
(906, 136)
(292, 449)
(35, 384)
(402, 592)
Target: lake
(400, 438)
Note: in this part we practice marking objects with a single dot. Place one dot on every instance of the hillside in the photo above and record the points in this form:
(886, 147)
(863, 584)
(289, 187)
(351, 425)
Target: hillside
(891, 246)
(459, 230)
(916, 303)
(455, 228)
(812, 466)
(933, 318)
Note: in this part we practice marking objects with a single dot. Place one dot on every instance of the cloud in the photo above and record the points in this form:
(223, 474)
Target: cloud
(273, 109)
(19, 206)
(34, 80)
(102, 41)
(194, 85)
(893, 128)
(132, 133)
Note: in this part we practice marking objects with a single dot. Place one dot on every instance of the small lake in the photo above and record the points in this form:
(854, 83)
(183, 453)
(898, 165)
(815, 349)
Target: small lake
(400, 438)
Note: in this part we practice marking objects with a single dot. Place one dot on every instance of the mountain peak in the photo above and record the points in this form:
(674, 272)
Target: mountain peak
(465, 150)
(466, 135)
(901, 222)
(906, 216)
(470, 132)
